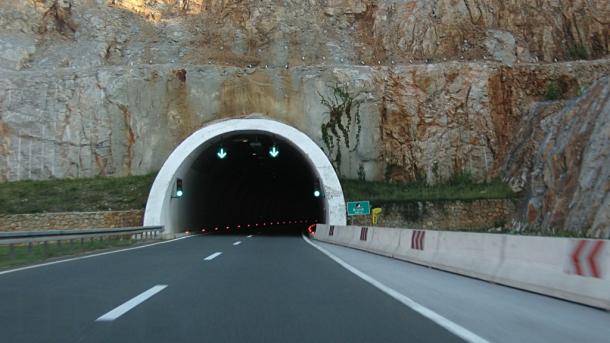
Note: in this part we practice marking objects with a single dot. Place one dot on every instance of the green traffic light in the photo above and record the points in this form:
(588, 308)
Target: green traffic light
(316, 193)
(179, 193)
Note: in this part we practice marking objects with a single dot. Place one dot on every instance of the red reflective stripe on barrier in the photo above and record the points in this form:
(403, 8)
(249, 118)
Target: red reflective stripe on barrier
(417, 239)
(363, 233)
(592, 259)
(584, 258)
(413, 239)
(576, 256)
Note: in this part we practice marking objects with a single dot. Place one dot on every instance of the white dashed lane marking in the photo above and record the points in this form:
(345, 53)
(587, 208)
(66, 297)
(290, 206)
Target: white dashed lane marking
(128, 305)
(213, 256)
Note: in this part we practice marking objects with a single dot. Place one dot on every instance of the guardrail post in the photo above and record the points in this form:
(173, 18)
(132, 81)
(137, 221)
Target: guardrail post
(11, 249)
(46, 248)
(29, 248)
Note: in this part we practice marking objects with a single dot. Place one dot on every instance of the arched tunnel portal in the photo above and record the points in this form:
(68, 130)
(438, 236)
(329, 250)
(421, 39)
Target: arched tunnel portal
(245, 173)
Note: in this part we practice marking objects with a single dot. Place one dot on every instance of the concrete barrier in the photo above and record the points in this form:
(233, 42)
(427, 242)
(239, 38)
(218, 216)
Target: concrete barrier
(573, 269)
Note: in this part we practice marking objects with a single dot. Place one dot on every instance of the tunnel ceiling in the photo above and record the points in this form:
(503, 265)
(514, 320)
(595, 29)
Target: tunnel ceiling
(249, 186)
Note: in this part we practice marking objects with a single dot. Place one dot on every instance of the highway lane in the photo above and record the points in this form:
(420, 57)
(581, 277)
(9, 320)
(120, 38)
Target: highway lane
(264, 289)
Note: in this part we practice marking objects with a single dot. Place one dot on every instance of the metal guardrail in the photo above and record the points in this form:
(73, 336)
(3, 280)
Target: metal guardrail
(18, 237)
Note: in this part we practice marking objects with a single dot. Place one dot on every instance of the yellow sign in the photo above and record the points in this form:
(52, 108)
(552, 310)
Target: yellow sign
(376, 213)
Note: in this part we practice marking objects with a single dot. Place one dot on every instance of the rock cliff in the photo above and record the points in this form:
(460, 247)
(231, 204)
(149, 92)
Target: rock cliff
(110, 87)
(562, 159)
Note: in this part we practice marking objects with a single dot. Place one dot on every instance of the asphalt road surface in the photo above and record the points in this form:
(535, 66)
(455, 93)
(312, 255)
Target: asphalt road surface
(230, 288)
(261, 288)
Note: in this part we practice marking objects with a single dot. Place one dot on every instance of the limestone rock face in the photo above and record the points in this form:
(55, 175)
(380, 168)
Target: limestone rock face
(16, 50)
(441, 119)
(563, 158)
(297, 32)
(110, 87)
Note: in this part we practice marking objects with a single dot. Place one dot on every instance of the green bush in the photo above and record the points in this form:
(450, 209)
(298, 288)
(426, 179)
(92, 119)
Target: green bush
(578, 52)
(553, 91)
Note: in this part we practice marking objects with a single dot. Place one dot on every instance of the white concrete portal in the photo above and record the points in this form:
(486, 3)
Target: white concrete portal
(159, 207)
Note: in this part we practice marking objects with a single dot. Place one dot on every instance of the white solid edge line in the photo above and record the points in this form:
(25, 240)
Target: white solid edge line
(128, 305)
(452, 327)
(90, 256)
(237, 243)
(213, 256)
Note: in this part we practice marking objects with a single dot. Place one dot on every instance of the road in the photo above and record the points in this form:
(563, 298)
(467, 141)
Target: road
(261, 288)
(206, 289)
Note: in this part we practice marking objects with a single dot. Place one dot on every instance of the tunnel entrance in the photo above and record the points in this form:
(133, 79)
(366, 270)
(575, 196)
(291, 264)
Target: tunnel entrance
(246, 174)
(251, 180)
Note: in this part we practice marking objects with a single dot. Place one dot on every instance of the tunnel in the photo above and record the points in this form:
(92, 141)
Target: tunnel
(244, 175)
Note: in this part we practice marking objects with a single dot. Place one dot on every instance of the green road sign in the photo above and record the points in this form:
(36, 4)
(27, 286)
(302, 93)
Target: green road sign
(358, 208)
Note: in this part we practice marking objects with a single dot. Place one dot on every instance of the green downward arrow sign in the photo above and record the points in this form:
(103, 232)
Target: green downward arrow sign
(274, 152)
(221, 153)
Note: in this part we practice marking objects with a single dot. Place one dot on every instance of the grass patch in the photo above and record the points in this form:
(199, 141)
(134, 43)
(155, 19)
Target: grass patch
(75, 195)
(23, 254)
(125, 193)
(460, 187)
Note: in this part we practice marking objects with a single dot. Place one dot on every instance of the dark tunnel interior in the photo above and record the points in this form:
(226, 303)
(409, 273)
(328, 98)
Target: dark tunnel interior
(249, 189)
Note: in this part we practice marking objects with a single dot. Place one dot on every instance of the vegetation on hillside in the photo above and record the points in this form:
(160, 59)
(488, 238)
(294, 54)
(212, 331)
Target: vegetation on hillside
(460, 187)
(131, 192)
(75, 195)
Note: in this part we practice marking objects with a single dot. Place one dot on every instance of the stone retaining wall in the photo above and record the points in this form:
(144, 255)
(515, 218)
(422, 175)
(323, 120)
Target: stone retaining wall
(442, 215)
(70, 220)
